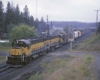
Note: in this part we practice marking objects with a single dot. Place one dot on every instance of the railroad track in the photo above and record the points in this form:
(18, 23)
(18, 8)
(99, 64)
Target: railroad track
(76, 42)
(33, 71)
(38, 69)
(3, 65)
(26, 75)
(5, 69)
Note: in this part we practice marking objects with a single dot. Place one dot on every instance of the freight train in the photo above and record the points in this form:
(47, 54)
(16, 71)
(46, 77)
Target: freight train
(24, 50)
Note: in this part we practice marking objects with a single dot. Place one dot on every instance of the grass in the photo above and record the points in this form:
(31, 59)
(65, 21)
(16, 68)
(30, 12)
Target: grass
(5, 46)
(71, 68)
(87, 62)
(35, 77)
(92, 43)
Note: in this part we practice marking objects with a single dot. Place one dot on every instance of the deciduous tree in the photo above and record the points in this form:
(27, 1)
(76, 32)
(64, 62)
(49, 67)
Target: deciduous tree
(21, 32)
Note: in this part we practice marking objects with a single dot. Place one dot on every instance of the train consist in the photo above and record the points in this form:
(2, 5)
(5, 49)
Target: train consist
(24, 50)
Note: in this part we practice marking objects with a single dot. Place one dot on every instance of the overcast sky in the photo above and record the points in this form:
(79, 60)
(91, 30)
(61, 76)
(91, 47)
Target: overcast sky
(61, 10)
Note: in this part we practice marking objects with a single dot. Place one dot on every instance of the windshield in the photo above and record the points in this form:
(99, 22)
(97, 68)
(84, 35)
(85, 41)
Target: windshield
(18, 44)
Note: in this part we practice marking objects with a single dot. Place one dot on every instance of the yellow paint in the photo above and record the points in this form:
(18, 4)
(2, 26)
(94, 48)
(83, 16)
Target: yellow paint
(33, 47)
(16, 52)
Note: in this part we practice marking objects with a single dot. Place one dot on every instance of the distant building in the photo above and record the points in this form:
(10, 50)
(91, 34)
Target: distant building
(56, 30)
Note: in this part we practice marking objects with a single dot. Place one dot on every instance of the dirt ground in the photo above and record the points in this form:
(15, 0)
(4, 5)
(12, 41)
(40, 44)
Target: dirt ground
(62, 53)
(58, 54)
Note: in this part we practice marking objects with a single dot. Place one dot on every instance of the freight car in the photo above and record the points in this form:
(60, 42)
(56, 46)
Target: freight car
(24, 50)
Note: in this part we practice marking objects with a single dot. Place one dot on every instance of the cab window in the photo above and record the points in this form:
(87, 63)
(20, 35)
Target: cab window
(18, 44)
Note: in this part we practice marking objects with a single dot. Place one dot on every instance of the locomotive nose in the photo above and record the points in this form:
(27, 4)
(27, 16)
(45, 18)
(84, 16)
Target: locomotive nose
(16, 52)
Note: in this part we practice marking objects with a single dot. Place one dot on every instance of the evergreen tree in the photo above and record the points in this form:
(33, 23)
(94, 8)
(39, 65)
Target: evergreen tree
(1, 17)
(8, 16)
(36, 23)
(13, 20)
(26, 15)
(31, 21)
(42, 20)
(43, 25)
(21, 18)
(17, 15)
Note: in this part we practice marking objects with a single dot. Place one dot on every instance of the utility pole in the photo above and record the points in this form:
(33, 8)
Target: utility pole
(71, 39)
(47, 25)
(36, 9)
(96, 20)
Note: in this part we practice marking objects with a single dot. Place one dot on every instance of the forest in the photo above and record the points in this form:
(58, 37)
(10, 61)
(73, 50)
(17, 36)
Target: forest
(13, 16)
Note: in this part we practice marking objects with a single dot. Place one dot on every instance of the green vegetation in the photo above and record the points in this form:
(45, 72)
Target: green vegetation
(90, 44)
(35, 77)
(88, 60)
(18, 32)
(70, 68)
(2, 48)
(10, 27)
(13, 16)
(85, 70)
(5, 46)
(85, 67)
(21, 32)
(99, 28)
(43, 64)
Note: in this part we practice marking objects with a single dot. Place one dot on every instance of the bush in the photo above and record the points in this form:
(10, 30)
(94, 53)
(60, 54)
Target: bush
(22, 31)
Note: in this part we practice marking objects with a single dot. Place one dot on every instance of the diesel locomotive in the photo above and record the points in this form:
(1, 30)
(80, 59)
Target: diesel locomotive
(24, 50)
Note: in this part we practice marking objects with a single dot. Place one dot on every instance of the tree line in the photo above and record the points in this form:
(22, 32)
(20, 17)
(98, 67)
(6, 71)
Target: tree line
(13, 16)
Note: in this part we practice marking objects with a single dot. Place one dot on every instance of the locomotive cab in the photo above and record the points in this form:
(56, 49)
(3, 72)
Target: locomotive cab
(19, 44)
(18, 51)
(18, 47)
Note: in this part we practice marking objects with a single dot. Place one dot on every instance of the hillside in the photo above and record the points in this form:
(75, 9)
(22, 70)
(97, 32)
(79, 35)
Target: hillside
(92, 43)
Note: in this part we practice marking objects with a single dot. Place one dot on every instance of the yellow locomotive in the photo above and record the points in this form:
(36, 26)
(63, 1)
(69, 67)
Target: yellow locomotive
(25, 49)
